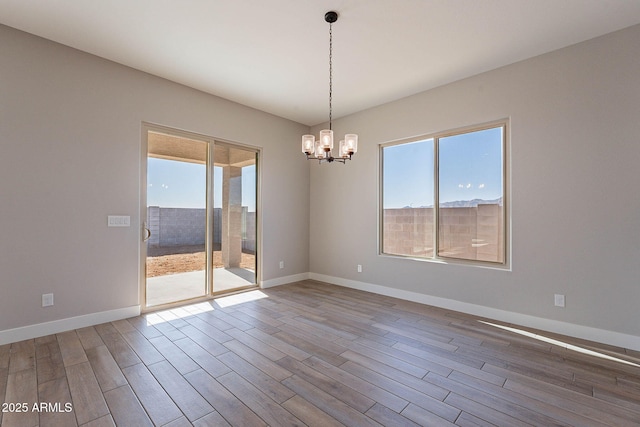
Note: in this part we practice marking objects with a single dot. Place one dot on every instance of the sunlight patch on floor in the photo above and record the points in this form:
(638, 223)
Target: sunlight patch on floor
(560, 344)
(198, 308)
(240, 298)
(177, 313)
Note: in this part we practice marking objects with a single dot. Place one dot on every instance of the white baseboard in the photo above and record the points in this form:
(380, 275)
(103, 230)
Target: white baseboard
(283, 280)
(617, 339)
(62, 325)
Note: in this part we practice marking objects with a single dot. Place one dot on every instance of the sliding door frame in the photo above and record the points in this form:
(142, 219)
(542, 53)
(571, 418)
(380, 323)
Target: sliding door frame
(147, 127)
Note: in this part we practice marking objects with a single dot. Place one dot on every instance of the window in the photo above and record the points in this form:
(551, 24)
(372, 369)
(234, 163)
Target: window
(443, 196)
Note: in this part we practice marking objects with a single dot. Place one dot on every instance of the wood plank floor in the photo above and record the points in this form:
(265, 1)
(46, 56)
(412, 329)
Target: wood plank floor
(314, 354)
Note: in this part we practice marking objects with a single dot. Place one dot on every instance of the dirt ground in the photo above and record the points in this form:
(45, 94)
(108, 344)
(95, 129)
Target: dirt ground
(181, 259)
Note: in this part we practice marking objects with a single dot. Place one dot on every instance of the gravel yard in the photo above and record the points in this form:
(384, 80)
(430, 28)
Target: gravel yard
(181, 259)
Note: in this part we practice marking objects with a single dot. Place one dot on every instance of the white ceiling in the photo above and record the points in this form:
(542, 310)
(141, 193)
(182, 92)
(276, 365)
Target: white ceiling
(273, 55)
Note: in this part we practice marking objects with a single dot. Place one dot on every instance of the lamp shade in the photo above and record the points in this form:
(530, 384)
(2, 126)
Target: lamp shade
(351, 143)
(344, 153)
(308, 142)
(326, 139)
(320, 153)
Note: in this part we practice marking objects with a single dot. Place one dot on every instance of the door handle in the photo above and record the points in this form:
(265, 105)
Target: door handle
(147, 232)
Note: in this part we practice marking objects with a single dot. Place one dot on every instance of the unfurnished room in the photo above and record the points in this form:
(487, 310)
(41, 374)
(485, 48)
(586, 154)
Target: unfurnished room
(290, 213)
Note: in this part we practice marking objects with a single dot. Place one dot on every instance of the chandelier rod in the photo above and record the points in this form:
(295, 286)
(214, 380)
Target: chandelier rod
(330, 72)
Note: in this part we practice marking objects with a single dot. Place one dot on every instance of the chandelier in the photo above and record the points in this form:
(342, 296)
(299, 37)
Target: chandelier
(321, 149)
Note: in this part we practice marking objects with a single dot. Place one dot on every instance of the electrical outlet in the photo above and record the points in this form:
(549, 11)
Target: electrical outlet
(359, 268)
(47, 300)
(281, 264)
(559, 300)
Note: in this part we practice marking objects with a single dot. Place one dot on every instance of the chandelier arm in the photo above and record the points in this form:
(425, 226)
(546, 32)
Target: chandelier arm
(329, 159)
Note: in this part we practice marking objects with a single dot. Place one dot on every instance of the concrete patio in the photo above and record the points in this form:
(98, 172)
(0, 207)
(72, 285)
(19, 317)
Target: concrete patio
(184, 286)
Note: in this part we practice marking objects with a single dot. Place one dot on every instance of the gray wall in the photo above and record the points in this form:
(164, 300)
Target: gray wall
(575, 170)
(70, 132)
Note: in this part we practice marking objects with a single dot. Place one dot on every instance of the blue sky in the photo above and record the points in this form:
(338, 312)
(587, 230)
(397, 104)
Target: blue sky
(470, 168)
(178, 184)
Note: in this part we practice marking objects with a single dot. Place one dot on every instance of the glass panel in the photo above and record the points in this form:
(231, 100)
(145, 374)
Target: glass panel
(470, 187)
(408, 214)
(176, 218)
(234, 218)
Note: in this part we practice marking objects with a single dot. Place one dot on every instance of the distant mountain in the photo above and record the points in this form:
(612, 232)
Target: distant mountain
(464, 203)
(471, 203)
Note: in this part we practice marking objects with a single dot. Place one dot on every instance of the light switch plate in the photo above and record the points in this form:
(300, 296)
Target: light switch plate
(47, 300)
(119, 221)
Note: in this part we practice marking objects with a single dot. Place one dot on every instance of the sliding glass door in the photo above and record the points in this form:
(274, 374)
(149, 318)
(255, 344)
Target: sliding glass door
(200, 217)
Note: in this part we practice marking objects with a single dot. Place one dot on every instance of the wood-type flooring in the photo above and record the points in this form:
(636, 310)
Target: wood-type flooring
(315, 354)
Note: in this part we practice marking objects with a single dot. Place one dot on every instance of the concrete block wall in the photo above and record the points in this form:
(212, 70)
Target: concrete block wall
(408, 231)
(183, 226)
(217, 225)
(490, 233)
(153, 224)
(248, 239)
(464, 232)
